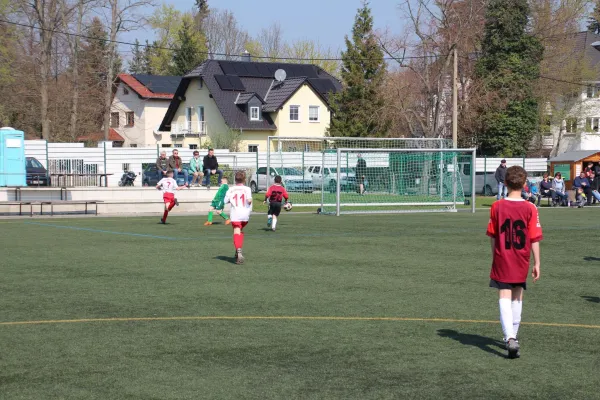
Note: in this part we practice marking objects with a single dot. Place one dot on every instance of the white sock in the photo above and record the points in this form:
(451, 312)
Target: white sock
(274, 223)
(516, 306)
(506, 318)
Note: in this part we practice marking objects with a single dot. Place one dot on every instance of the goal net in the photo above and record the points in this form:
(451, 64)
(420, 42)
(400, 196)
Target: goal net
(307, 165)
(396, 180)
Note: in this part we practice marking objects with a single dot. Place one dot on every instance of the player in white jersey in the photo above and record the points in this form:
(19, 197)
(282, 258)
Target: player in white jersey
(240, 198)
(168, 186)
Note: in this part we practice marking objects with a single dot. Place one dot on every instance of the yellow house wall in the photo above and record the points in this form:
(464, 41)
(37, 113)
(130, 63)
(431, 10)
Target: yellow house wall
(200, 97)
(304, 98)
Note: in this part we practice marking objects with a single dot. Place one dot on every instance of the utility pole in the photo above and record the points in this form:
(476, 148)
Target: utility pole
(455, 100)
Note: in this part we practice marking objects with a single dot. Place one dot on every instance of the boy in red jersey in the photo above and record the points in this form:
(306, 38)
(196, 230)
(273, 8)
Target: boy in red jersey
(515, 233)
(275, 196)
(169, 186)
(240, 198)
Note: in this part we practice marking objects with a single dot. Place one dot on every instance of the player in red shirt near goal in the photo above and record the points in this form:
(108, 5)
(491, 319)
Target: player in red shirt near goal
(240, 198)
(515, 232)
(168, 186)
(275, 196)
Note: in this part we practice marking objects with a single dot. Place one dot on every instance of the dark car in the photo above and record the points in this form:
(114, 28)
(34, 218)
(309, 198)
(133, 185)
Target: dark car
(37, 175)
(150, 177)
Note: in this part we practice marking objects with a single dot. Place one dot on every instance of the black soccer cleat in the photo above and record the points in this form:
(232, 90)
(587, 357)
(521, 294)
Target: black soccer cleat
(162, 221)
(513, 348)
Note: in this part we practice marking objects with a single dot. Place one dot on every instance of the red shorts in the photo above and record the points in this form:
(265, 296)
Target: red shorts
(239, 224)
(168, 198)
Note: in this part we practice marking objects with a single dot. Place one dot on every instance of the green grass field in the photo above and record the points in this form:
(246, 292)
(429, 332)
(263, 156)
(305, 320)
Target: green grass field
(129, 309)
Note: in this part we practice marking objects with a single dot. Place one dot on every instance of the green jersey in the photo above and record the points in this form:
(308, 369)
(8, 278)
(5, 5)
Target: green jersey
(220, 196)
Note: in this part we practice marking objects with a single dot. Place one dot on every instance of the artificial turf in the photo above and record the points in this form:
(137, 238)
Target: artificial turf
(407, 266)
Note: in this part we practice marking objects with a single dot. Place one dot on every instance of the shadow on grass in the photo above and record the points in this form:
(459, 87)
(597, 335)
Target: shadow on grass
(592, 299)
(591, 258)
(484, 343)
(225, 258)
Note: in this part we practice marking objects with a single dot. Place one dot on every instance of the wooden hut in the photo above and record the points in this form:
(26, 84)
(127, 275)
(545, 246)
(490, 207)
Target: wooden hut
(571, 163)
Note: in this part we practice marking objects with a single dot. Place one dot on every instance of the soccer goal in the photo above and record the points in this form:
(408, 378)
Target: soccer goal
(399, 180)
(309, 171)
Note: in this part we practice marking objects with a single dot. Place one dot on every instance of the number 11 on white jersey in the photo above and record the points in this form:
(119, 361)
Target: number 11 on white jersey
(240, 198)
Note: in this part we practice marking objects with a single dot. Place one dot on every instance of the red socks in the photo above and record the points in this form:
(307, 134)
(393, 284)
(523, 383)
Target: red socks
(165, 215)
(238, 240)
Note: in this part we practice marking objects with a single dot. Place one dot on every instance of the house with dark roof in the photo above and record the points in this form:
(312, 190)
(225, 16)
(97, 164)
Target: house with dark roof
(579, 127)
(138, 107)
(220, 96)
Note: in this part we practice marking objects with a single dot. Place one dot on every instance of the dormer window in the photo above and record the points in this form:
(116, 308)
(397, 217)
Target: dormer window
(125, 91)
(254, 114)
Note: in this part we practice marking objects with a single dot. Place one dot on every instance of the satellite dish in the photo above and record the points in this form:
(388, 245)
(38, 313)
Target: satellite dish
(280, 75)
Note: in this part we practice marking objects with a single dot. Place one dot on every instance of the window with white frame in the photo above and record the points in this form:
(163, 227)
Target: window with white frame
(193, 146)
(313, 113)
(114, 119)
(178, 145)
(129, 119)
(254, 114)
(593, 91)
(591, 124)
(133, 145)
(571, 125)
(295, 113)
(252, 148)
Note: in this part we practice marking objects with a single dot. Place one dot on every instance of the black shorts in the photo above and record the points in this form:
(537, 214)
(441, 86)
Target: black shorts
(502, 285)
(274, 209)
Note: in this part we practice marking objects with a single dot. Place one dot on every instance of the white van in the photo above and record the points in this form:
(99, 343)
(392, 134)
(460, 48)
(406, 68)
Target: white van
(326, 177)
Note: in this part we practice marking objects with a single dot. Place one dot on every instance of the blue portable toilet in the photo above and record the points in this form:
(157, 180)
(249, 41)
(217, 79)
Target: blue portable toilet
(12, 158)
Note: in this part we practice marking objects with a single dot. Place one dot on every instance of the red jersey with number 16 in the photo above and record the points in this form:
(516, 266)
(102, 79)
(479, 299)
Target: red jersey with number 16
(514, 225)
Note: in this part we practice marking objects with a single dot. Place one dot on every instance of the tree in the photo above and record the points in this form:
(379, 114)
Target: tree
(310, 52)
(223, 35)
(509, 67)
(121, 15)
(271, 41)
(357, 109)
(190, 50)
(594, 19)
(165, 21)
(136, 65)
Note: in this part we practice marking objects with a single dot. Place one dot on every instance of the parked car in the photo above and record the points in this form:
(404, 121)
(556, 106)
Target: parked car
(327, 178)
(37, 175)
(150, 176)
(293, 179)
(485, 182)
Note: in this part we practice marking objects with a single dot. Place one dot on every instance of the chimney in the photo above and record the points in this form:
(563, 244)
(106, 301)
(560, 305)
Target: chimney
(246, 56)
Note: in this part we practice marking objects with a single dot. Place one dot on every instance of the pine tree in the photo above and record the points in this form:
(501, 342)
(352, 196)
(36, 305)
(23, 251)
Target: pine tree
(594, 19)
(356, 110)
(136, 65)
(509, 67)
(190, 49)
(147, 59)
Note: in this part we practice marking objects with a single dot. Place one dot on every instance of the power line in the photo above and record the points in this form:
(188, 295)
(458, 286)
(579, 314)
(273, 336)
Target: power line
(203, 52)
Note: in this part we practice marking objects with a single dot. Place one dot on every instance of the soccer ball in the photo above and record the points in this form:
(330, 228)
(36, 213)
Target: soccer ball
(287, 206)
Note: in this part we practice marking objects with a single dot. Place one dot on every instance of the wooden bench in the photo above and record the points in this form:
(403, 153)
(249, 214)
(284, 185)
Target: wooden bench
(21, 204)
(52, 203)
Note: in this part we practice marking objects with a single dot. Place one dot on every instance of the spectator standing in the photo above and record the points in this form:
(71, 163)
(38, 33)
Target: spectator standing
(196, 169)
(546, 189)
(500, 177)
(361, 173)
(560, 190)
(583, 183)
(176, 165)
(162, 165)
(594, 186)
(211, 167)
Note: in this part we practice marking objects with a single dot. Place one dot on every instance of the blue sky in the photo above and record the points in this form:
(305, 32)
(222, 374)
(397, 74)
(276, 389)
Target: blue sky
(325, 21)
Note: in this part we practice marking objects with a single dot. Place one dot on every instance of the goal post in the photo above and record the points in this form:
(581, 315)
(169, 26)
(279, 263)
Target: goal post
(400, 180)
